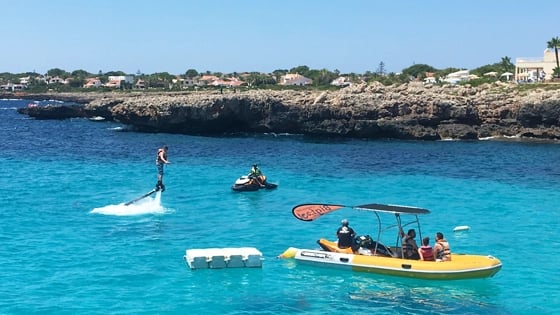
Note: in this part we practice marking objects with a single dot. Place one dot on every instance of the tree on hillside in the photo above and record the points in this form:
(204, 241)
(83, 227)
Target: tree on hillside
(418, 70)
(56, 72)
(79, 78)
(555, 43)
(381, 68)
(80, 74)
(321, 77)
(77, 82)
(191, 73)
(255, 79)
(303, 70)
(278, 73)
(115, 73)
(480, 71)
(506, 65)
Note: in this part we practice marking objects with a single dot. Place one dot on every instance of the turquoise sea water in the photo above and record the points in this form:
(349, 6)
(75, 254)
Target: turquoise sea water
(69, 246)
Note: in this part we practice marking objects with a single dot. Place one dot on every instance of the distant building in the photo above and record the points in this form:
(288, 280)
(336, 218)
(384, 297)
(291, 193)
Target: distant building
(341, 81)
(533, 69)
(207, 80)
(233, 82)
(55, 80)
(140, 84)
(13, 87)
(188, 82)
(457, 77)
(294, 79)
(430, 80)
(92, 83)
(126, 78)
(113, 84)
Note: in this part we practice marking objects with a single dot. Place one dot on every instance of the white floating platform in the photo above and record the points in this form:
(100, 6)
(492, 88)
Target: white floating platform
(461, 228)
(216, 258)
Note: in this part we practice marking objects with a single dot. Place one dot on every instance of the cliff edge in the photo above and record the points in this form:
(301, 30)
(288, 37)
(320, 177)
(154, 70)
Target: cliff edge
(408, 111)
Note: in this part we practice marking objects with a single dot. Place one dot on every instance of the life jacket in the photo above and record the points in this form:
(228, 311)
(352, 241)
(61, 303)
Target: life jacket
(158, 158)
(427, 252)
(255, 172)
(445, 253)
(407, 247)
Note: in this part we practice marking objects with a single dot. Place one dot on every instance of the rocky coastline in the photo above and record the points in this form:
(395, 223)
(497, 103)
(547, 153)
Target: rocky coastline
(410, 111)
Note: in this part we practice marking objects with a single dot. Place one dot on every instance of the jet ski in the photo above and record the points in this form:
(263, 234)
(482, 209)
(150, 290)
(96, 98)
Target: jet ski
(246, 183)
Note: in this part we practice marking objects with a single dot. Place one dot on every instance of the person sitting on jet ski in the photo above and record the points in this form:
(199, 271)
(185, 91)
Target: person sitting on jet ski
(256, 175)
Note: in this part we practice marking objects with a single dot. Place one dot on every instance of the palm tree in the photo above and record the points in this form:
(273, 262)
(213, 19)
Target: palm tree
(506, 64)
(555, 43)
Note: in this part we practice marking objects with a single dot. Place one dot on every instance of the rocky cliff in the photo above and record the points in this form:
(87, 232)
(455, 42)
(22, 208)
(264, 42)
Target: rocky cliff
(409, 111)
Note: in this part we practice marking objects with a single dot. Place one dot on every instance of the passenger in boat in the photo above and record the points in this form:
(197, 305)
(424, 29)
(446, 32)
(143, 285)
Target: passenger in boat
(441, 248)
(345, 235)
(161, 159)
(256, 175)
(409, 246)
(426, 251)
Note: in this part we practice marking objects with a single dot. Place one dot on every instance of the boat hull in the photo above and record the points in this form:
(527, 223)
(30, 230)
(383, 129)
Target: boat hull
(461, 267)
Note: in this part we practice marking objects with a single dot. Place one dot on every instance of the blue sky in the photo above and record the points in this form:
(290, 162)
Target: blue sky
(257, 35)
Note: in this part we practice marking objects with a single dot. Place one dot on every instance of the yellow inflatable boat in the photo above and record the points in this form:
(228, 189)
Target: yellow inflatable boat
(372, 256)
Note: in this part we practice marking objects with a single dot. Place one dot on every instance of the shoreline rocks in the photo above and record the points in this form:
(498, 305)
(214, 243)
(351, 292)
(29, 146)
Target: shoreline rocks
(408, 111)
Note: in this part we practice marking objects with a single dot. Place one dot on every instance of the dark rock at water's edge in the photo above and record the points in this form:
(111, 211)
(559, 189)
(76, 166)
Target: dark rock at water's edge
(409, 111)
(53, 111)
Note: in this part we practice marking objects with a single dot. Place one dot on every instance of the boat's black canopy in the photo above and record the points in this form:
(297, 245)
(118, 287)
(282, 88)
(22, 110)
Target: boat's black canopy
(392, 209)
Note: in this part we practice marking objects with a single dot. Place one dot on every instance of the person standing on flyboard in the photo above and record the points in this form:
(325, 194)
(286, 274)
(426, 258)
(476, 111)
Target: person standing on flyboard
(161, 159)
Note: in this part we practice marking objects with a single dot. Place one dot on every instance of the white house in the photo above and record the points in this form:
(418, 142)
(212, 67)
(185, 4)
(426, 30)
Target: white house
(113, 84)
(341, 81)
(140, 84)
(92, 82)
(185, 82)
(13, 87)
(535, 68)
(430, 80)
(457, 77)
(126, 78)
(57, 79)
(294, 79)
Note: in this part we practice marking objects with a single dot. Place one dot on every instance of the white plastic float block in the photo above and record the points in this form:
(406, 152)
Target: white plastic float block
(216, 258)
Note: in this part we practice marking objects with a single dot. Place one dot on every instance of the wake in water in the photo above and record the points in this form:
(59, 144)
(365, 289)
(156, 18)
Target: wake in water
(145, 206)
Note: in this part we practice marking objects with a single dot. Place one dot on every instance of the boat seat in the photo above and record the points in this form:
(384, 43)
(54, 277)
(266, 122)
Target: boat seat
(365, 241)
(381, 249)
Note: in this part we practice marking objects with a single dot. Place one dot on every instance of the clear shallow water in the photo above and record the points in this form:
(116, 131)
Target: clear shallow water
(70, 246)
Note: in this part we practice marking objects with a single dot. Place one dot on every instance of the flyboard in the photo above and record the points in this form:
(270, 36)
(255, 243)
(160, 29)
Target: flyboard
(151, 192)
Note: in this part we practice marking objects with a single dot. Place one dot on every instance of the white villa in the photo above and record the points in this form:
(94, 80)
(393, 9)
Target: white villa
(341, 81)
(118, 78)
(13, 87)
(294, 79)
(56, 79)
(457, 77)
(92, 82)
(535, 68)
